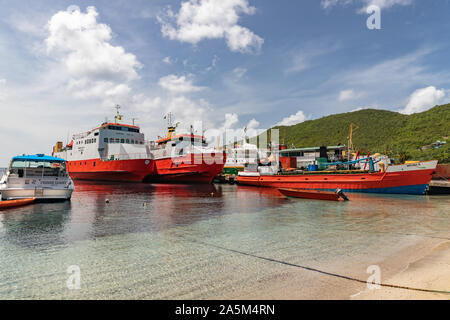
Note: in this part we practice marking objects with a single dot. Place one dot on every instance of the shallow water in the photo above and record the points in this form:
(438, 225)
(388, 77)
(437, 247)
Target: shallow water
(192, 242)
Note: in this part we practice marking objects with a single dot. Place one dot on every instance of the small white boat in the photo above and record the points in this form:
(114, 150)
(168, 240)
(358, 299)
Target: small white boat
(36, 176)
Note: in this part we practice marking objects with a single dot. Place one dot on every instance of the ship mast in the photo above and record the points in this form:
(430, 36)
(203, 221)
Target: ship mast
(170, 126)
(118, 116)
(350, 146)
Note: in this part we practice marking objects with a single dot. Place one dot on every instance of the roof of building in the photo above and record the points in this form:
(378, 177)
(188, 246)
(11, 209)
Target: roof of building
(38, 157)
(313, 149)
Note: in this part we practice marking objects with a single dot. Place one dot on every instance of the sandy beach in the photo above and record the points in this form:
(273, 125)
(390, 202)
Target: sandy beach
(424, 265)
(431, 272)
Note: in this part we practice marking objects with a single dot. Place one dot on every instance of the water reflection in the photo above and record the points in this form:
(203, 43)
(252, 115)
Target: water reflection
(105, 209)
(138, 244)
(41, 224)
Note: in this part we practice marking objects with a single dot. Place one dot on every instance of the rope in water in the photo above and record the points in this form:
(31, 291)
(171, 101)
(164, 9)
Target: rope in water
(314, 269)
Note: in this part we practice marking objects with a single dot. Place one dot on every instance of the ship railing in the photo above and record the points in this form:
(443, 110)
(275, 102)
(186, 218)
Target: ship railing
(126, 156)
(80, 135)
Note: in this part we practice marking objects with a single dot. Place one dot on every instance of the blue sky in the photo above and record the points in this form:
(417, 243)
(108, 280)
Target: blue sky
(230, 63)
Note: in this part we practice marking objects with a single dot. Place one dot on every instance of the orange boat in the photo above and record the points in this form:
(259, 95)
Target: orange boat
(15, 203)
(313, 194)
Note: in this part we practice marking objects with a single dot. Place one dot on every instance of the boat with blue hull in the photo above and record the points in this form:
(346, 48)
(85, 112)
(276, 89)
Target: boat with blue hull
(413, 178)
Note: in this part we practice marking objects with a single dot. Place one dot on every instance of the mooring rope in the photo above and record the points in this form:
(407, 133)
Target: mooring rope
(314, 269)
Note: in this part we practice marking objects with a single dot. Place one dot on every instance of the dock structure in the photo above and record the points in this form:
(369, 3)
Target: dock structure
(226, 178)
(439, 187)
(440, 182)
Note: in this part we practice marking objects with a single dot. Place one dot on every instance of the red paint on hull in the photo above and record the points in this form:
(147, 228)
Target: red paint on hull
(115, 170)
(309, 194)
(357, 181)
(192, 168)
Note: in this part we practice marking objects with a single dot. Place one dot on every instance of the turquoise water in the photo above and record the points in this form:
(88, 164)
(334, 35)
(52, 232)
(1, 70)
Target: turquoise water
(193, 242)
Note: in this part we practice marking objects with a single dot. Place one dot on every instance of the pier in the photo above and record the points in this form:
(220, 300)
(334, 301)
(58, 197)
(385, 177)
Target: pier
(439, 187)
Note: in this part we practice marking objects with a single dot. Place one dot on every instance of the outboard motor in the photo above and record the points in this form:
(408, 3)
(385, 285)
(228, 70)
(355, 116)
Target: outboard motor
(341, 194)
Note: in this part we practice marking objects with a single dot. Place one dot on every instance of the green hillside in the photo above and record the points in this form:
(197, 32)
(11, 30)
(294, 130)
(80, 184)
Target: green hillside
(401, 136)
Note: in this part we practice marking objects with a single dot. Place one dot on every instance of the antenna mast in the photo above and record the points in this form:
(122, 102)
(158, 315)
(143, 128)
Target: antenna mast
(118, 116)
(350, 147)
(171, 128)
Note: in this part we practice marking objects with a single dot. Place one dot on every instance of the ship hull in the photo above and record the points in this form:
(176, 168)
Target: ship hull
(191, 168)
(404, 179)
(134, 170)
(37, 194)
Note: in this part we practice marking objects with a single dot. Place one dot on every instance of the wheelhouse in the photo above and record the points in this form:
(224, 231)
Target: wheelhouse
(183, 140)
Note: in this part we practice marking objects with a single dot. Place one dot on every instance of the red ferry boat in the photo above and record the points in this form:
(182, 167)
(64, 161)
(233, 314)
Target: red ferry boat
(185, 158)
(111, 152)
(115, 151)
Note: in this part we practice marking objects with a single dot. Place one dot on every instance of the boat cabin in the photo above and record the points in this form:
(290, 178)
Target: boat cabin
(37, 166)
(302, 157)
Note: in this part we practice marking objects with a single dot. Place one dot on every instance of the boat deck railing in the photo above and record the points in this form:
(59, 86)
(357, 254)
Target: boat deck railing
(126, 156)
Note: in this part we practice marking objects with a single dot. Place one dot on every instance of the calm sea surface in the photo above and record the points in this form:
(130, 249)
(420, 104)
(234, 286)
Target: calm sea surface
(195, 242)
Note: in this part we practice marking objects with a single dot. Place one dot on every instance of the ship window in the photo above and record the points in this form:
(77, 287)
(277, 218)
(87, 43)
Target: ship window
(94, 163)
(95, 140)
(96, 134)
(128, 140)
(142, 142)
(106, 140)
(111, 140)
(122, 140)
(117, 140)
(132, 141)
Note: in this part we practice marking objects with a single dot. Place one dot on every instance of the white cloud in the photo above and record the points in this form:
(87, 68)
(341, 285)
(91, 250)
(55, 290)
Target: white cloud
(326, 4)
(304, 58)
(213, 63)
(232, 131)
(212, 19)
(167, 60)
(293, 119)
(423, 99)
(230, 120)
(93, 66)
(350, 94)
(239, 72)
(179, 84)
(2, 90)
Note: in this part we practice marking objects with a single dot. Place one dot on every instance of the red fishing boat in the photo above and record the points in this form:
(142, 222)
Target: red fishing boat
(184, 158)
(313, 194)
(413, 178)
